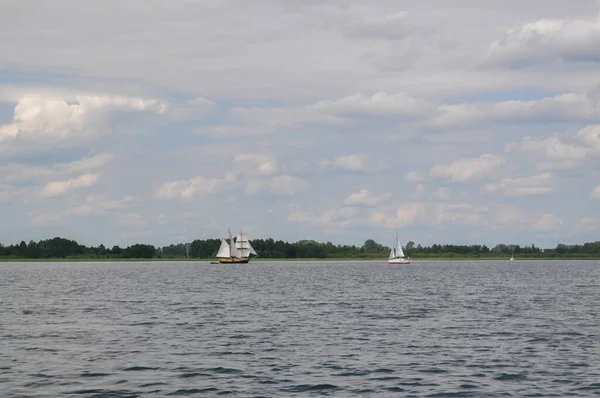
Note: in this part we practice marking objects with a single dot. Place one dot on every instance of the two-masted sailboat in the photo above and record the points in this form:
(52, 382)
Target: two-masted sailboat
(397, 254)
(235, 252)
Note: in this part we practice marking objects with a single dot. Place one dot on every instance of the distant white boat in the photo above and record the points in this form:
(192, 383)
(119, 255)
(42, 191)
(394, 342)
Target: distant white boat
(235, 252)
(397, 254)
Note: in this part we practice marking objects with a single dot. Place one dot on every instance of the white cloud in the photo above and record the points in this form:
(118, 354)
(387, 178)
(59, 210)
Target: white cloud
(378, 104)
(347, 162)
(395, 26)
(262, 163)
(193, 109)
(590, 137)
(283, 185)
(587, 224)
(413, 176)
(595, 193)
(92, 205)
(100, 205)
(59, 117)
(469, 168)
(19, 172)
(189, 189)
(45, 219)
(366, 198)
(460, 213)
(552, 152)
(548, 40)
(398, 217)
(57, 188)
(548, 222)
(534, 185)
(567, 107)
(443, 193)
(340, 217)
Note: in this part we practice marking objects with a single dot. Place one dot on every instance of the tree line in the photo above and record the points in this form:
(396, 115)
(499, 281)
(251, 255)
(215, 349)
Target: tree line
(278, 249)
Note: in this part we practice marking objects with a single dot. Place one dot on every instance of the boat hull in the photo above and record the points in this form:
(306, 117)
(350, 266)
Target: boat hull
(398, 261)
(234, 260)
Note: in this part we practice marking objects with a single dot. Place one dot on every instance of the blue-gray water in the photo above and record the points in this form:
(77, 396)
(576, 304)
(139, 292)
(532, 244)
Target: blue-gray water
(437, 329)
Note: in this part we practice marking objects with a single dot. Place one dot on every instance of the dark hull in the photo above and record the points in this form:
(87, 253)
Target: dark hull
(234, 260)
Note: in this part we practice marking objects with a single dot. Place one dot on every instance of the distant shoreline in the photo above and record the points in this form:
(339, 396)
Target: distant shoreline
(266, 260)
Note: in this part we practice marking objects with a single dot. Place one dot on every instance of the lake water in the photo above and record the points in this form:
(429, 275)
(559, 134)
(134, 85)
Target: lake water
(272, 329)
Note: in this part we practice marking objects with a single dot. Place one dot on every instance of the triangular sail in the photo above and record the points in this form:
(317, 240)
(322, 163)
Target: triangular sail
(252, 251)
(397, 251)
(223, 249)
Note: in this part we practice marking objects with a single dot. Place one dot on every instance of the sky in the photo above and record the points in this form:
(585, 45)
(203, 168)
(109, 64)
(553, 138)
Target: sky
(165, 121)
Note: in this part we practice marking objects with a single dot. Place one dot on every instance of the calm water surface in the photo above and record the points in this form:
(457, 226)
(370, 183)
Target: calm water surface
(431, 329)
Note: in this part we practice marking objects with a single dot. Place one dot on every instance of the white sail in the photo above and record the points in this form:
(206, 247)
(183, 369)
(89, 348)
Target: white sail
(244, 246)
(233, 250)
(399, 252)
(252, 251)
(223, 249)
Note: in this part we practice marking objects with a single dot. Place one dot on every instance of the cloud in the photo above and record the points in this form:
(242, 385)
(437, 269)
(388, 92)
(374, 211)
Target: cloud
(57, 188)
(341, 217)
(552, 152)
(255, 172)
(282, 185)
(595, 193)
(563, 107)
(398, 217)
(587, 224)
(468, 168)
(19, 172)
(399, 105)
(347, 163)
(534, 185)
(257, 162)
(58, 117)
(590, 137)
(443, 193)
(100, 205)
(192, 109)
(92, 205)
(460, 213)
(190, 189)
(45, 219)
(394, 26)
(547, 40)
(413, 176)
(366, 198)
(548, 222)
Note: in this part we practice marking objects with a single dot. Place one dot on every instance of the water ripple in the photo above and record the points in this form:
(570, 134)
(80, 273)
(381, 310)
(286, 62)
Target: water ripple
(433, 329)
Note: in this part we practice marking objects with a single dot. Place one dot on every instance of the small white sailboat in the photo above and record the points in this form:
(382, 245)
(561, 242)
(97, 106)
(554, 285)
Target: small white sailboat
(235, 252)
(397, 254)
